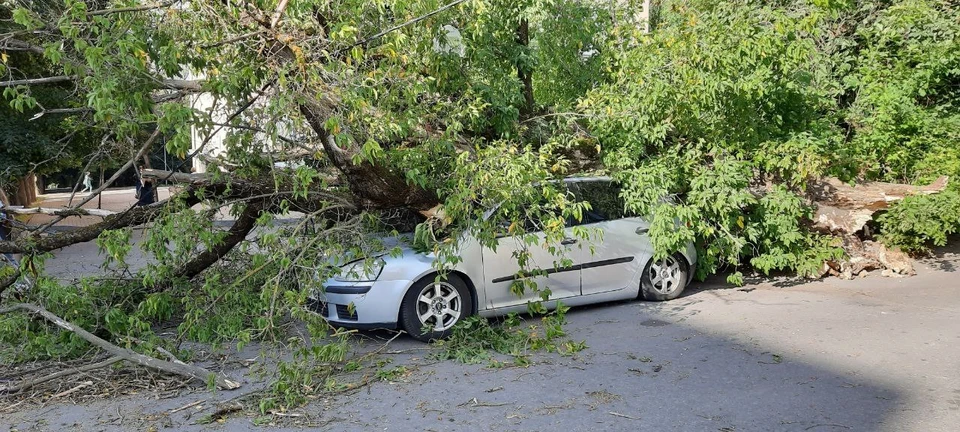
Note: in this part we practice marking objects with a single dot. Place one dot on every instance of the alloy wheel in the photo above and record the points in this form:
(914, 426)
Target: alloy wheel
(665, 275)
(439, 306)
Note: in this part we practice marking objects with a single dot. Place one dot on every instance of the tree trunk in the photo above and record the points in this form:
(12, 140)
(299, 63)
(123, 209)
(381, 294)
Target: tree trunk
(845, 209)
(375, 186)
(524, 71)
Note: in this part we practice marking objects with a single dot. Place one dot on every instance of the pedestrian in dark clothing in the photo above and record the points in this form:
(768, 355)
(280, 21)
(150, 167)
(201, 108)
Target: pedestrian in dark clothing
(145, 194)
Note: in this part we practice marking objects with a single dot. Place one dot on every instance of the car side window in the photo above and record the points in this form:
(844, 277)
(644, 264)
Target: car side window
(604, 198)
(531, 219)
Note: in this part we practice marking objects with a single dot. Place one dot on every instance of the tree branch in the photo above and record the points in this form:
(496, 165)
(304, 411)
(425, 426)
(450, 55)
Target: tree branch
(405, 24)
(8, 281)
(278, 13)
(36, 243)
(232, 40)
(34, 382)
(130, 9)
(18, 45)
(254, 129)
(201, 187)
(195, 372)
(238, 232)
(32, 81)
(171, 84)
(106, 184)
(58, 211)
(183, 85)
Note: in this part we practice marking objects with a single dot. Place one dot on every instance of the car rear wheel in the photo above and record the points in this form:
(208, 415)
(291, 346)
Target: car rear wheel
(432, 306)
(664, 279)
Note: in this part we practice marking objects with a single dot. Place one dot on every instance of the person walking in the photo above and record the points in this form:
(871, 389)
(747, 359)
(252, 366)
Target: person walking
(87, 183)
(145, 193)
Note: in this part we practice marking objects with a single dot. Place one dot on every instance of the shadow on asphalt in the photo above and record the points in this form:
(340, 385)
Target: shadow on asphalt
(946, 258)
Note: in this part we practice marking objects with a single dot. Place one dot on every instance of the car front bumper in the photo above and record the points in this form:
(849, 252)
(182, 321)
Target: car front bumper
(375, 305)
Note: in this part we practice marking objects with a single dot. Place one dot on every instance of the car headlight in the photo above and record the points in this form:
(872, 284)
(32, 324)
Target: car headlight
(361, 271)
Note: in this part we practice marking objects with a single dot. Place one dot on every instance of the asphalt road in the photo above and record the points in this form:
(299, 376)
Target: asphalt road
(873, 354)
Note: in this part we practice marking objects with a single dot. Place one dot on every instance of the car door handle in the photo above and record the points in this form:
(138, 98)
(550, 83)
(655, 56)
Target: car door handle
(568, 241)
(642, 231)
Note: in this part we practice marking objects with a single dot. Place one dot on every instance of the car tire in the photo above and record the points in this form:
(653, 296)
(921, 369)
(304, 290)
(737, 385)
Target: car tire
(664, 279)
(430, 300)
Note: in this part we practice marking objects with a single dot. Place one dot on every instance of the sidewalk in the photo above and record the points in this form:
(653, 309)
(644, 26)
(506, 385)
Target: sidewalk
(117, 200)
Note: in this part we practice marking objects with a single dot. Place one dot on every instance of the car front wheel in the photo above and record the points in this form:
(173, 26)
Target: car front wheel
(432, 306)
(664, 279)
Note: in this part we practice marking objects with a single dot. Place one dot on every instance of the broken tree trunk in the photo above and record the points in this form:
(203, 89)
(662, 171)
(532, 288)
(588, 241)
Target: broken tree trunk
(844, 210)
(195, 372)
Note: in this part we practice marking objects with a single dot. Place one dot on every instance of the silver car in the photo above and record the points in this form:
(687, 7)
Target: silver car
(404, 291)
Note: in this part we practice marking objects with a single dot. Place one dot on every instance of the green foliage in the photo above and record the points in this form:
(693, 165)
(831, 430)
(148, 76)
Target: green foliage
(568, 39)
(105, 307)
(714, 123)
(905, 78)
(392, 374)
(309, 372)
(475, 340)
(781, 242)
(724, 97)
(918, 222)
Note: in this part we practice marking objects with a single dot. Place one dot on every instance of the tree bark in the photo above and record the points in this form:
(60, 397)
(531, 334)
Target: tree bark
(845, 209)
(524, 71)
(33, 81)
(375, 186)
(194, 372)
(8, 281)
(133, 216)
(58, 211)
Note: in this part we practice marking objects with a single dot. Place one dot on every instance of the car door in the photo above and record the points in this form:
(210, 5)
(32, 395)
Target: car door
(502, 270)
(615, 253)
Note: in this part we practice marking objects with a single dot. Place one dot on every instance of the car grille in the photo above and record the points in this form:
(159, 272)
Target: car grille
(343, 311)
(317, 306)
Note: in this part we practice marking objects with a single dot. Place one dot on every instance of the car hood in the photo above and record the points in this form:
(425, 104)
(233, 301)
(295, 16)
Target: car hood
(381, 247)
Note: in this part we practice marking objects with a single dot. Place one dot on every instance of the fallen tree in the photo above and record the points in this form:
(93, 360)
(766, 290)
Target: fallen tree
(344, 112)
(20, 210)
